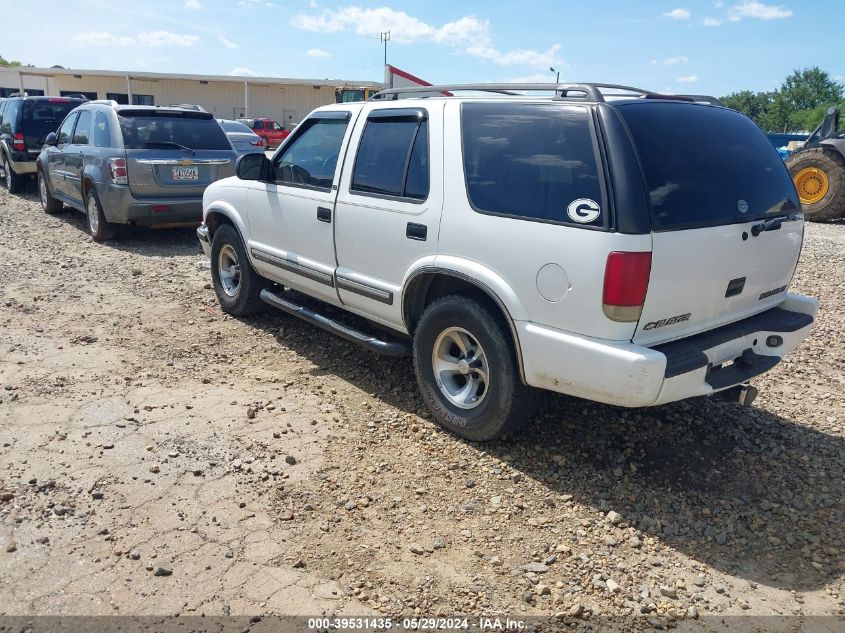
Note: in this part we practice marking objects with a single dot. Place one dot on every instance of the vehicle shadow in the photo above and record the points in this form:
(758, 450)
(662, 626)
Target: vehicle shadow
(157, 242)
(743, 490)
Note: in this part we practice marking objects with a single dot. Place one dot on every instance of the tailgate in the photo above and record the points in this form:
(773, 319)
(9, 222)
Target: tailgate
(168, 173)
(704, 278)
(726, 221)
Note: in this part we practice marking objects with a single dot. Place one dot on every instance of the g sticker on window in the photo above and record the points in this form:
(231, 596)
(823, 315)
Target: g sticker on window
(583, 210)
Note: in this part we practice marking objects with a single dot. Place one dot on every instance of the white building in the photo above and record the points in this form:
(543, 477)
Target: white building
(227, 97)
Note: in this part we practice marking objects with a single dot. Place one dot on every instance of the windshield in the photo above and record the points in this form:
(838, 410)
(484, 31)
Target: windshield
(142, 132)
(41, 117)
(706, 166)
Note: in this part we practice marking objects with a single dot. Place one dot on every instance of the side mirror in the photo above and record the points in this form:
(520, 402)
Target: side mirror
(52, 140)
(254, 167)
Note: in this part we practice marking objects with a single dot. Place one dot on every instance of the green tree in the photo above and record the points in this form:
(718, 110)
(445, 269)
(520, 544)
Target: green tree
(809, 89)
(752, 104)
(4, 62)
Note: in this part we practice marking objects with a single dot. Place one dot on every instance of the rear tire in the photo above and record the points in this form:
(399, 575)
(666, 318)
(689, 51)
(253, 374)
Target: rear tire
(99, 228)
(237, 285)
(467, 370)
(48, 203)
(831, 164)
(14, 182)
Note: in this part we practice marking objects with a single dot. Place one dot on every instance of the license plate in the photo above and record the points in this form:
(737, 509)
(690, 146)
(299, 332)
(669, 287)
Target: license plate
(186, 173)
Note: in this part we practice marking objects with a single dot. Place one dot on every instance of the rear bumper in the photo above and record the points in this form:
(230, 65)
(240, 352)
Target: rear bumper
(121, 207)
(629, 375)
(23, 166)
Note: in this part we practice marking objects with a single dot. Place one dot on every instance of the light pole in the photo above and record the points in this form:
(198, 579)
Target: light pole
(557, 74)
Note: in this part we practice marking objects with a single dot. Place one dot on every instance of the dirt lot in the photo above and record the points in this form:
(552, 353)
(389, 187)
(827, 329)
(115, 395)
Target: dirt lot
(159, 458)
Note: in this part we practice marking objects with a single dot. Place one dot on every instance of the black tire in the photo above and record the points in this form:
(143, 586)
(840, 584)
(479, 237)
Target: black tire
(15, 183)
(245, 299)
(506, 405)
(48, 203)
(831, 162)
(99, 228)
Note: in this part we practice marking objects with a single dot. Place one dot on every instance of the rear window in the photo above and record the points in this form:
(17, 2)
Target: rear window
(40, 117)
(532, 161)
(235, 126)
(706, 166)
(148, 131)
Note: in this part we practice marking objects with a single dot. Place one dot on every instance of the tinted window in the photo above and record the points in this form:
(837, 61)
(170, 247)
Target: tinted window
(393, 158)
(701, 161)
(83, 129)
(146, 100)
(311, 158)
(10, 115)
(66, 129)
(158, 130)
(529, 160)
(102, 135)
(42, 116)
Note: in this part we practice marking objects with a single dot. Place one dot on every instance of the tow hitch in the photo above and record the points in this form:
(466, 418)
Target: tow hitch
(743, 394)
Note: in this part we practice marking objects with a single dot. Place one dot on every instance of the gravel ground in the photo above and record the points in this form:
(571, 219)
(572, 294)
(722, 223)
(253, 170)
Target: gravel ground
(161, 458)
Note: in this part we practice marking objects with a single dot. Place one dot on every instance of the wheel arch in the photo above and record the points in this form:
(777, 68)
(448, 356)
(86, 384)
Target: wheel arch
(430, 282)
(221, 212)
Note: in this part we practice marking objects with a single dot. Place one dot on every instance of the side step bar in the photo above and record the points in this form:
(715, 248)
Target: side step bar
(378, 345)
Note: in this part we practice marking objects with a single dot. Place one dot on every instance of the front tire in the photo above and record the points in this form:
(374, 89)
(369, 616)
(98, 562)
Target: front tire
(467, 370)
(237, 285)
(14, 182)
(48, 203)
(99, 228)
(819, 177)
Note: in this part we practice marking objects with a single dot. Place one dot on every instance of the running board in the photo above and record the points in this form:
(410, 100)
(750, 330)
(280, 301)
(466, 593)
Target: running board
(372, 343)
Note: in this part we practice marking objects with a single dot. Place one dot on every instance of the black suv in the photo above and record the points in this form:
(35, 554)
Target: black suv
(25, 123)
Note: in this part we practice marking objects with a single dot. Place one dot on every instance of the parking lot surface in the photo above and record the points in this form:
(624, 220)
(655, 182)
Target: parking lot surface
(159, 457)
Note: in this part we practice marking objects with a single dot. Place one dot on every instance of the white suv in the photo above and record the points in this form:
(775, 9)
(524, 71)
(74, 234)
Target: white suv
(633, 249)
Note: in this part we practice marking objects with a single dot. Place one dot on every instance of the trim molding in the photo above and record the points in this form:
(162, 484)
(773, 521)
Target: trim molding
(365, 290)
(294, 267)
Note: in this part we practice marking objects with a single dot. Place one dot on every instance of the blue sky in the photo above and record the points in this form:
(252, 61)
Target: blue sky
(696, 46)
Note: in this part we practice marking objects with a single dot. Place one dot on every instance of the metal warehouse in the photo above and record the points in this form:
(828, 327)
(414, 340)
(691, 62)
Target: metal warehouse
(227, 97)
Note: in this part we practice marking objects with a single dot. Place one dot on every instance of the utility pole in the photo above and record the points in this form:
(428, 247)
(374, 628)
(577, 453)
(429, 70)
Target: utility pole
(385, 38)
(557, 74)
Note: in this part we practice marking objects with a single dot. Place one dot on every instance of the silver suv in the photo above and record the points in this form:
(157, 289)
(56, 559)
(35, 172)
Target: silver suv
(136, 165)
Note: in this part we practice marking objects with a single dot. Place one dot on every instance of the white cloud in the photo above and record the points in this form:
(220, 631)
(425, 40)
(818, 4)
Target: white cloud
(680, 59)
(688, 79)
(469, 34)
(193, 4)
(241, 71)
(712, 22)
(837, 78)
(758, 10)
(102, 38)
(317, 52)
(227, 42)
(677, 14)
(165, 38)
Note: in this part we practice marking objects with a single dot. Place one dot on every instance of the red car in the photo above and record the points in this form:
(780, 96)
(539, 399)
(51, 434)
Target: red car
(269, 130)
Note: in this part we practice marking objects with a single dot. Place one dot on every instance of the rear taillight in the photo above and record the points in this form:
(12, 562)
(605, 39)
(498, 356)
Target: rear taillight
(18, 143)
(117, 171)
(258, 143)
(625, 285)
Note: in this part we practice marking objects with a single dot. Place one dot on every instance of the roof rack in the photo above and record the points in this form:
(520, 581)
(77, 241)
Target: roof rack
(564, 91)
(109, 102)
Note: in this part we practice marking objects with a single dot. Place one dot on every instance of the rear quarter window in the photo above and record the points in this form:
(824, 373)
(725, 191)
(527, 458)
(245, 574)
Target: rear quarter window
(532, 161)
(706, 166)
(146, 131)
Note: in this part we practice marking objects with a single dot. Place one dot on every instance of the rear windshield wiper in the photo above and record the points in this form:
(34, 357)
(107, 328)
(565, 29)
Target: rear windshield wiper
(171, 144)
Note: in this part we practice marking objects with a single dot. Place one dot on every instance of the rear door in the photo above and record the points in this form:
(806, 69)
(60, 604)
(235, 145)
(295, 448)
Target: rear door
(388, 216)
(174, 154)
(74, 155)
(726, 221)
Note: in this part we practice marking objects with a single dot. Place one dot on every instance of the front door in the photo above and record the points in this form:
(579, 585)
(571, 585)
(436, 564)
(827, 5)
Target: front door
(74, 155)
(292, 234)
(388, 217)
(56, 159)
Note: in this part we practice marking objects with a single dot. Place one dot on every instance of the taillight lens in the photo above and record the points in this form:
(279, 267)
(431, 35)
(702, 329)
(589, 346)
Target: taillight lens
(18, 143)
(625, 285)
(117, 171)
(258, 143)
